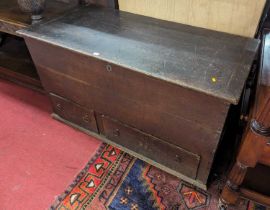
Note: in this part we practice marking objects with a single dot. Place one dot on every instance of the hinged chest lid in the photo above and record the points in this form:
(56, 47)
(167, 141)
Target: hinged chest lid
(207, 61)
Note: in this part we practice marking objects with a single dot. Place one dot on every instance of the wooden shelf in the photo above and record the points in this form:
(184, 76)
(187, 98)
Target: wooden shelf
(16, 63)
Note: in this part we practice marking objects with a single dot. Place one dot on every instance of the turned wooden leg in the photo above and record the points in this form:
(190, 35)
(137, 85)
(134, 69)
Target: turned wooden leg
(248, 156)
(230, 193)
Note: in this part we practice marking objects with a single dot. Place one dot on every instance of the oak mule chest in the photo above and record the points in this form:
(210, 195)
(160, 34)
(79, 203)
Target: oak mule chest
(157, 89)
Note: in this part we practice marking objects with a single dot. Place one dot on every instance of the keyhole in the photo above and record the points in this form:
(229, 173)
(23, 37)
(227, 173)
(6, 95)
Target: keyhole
(109, 67)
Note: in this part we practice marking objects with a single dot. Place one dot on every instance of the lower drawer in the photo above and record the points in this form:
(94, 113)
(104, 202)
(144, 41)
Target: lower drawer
(74, 113)
(151, 147)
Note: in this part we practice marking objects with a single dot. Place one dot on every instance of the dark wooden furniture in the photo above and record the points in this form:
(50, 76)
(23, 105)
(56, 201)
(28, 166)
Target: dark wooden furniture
(103, 3)
(156, 89)
(15, 61)
(250, 175)
(13, 19)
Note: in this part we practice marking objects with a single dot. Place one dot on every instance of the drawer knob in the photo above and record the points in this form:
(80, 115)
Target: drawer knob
(178, 158)
(108, 67)
(116, 132)
(59, 107)
(144, 145)
(86, 118)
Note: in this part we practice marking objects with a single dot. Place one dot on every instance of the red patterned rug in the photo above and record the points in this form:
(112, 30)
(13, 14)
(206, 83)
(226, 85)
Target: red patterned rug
(115, 180)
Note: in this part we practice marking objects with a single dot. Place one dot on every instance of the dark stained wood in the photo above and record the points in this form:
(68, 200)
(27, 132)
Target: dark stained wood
(18, 67)
(255, 145)
(252, 195)
(183, 55)
(160, 79)
(21, 79)
(93, 73)
(16, 64)
(13, 19)
(74, 112)
(148, 111)
(257, 179)
(169, 155)
(104, 3)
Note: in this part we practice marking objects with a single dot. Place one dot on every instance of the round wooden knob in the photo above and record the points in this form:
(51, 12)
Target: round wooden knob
(116, 132)
(86, 118)
(59, 107)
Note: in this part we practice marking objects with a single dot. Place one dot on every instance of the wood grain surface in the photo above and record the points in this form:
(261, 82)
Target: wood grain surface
(239, 17)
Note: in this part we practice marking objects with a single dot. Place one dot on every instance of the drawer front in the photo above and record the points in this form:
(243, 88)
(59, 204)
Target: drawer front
(74, 113)
(151, 147)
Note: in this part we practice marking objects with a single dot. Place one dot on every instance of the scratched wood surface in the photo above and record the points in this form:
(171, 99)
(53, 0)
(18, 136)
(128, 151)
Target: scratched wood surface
(162, 85)
(240, 17)
(203, 60)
